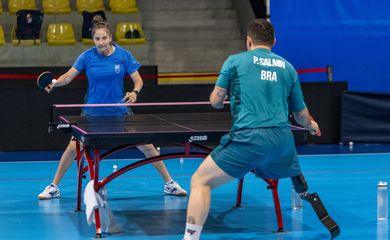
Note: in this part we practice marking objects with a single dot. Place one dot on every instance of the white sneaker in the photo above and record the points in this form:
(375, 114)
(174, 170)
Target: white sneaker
(173, 188)
(51, 191)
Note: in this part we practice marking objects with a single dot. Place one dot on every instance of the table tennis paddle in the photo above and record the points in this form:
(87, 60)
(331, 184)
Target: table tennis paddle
(45, 79)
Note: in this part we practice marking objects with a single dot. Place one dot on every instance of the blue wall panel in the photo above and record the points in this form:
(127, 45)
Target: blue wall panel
(353, 36)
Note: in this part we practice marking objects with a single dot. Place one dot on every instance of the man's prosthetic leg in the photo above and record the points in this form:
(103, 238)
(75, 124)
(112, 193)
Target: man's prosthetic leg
(301, 187)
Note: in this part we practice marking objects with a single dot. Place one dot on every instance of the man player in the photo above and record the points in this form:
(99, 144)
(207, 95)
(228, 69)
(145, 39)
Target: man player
(263, 88)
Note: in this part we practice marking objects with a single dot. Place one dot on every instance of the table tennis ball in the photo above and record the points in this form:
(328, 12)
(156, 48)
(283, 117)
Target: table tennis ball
(350, 143)
(158, 150)
(114, 168)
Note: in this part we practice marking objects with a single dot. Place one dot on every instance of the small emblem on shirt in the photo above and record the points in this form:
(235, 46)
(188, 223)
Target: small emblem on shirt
(117, 68)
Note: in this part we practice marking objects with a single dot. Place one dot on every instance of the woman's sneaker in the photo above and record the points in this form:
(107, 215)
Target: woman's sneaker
(173, 188)
(51, 191)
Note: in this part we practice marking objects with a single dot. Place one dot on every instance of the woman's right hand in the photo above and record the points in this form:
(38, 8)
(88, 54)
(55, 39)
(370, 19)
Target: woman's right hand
(51, 86)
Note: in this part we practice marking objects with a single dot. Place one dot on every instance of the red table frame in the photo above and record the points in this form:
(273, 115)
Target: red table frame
(93, 167)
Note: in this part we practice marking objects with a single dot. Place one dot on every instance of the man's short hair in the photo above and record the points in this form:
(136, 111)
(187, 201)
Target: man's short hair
(262, 32)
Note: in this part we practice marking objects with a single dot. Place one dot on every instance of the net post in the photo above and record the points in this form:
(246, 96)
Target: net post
(329, 72)
(51, 120)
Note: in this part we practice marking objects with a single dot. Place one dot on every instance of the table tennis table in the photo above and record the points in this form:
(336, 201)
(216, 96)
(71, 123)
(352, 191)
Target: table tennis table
(193, 131)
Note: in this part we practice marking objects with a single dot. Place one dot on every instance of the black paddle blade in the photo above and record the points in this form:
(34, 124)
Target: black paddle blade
(44, 79)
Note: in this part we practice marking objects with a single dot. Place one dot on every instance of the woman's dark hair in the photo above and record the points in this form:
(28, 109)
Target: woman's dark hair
(98, 23)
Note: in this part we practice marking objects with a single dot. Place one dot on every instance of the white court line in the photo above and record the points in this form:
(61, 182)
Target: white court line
(56, 161)
(341, 154)
(104, 160)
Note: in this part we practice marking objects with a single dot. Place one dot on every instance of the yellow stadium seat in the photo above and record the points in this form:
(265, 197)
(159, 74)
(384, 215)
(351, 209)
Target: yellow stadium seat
(123, 6)
(87, 41)
(125, 28)
(2, 39)
(56, 6)
(16, 5)
(24, 42)
(89, 5)
(60, 34)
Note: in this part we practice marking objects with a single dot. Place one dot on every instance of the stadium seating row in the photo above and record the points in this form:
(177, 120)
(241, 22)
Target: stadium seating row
(63, 6)
(60, 34)
(2, 39)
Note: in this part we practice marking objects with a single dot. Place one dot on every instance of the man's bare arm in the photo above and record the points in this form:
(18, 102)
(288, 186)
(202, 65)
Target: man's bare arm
(217, 96)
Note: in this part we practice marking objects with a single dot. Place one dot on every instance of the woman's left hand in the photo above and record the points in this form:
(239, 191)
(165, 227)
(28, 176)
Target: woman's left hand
(130, 97)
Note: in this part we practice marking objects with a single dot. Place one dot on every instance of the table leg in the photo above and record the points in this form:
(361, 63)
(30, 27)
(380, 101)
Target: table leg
(239, 192)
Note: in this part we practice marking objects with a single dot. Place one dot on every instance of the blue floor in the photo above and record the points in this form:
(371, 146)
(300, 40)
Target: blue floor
(346, 182)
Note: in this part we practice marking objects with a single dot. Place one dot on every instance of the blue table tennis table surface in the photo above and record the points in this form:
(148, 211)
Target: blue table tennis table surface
(148, 128)
(106, 131)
